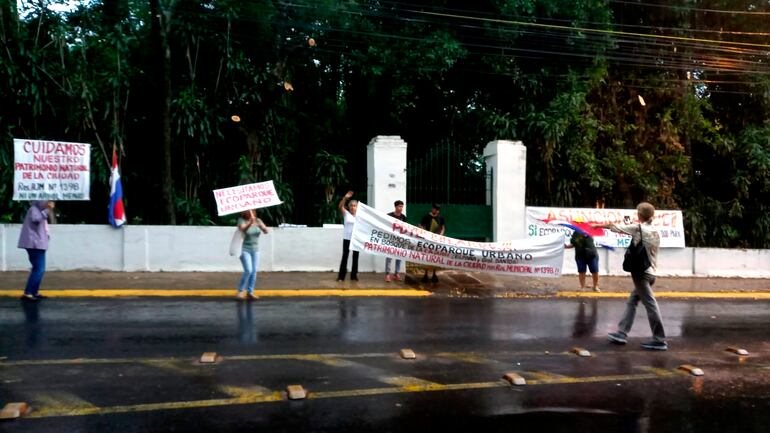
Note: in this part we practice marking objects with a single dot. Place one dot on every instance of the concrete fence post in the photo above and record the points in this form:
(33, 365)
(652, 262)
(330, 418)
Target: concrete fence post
(508, 162)
(386, 170)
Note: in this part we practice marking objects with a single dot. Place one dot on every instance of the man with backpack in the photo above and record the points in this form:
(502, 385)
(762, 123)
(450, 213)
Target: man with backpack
(641, 260)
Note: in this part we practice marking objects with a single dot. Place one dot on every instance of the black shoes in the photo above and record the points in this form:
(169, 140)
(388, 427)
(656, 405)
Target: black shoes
(618, 338)
(655, 345)
(425, 278)
(29, 298)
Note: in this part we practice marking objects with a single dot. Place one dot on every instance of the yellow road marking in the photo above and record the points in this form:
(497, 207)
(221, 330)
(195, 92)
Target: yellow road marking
(406, 381)
(277, 396)
(468, 357)
(321, 292)
(57, 402)
(178, 366)
(250, 392)
(542, 375)
(158, 406)
(673, 295)
(187, 364)
(594, 379)
(80, 361)
(324, 359)
(658, 371)
(224, 293)
(334, 359)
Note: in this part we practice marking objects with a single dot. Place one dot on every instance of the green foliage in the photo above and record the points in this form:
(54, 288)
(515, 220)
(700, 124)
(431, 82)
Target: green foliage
(329, 174)
(550, 73)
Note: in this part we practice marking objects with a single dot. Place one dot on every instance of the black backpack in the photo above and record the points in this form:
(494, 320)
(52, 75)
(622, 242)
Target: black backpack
(636, 260)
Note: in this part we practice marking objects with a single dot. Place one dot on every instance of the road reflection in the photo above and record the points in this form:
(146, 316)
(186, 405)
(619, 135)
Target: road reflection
(32, 326)
(585, 324)
(247, 330)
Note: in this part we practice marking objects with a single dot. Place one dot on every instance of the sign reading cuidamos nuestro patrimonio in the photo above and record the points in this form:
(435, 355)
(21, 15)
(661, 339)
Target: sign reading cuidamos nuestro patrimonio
(543, 221)
(245, 197)
(379, 234)
(51, 170)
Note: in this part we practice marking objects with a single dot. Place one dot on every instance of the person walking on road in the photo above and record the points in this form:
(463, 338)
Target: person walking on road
(34, 238)
(643, 281)
(349, 218)
(585, 256)
(398, 213)
(252, 227)
(434, 223)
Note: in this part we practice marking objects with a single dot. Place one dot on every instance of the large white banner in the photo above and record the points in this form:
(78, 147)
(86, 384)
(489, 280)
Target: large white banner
(245, 197)
(51, 170)
(379, 234)
(544, 221)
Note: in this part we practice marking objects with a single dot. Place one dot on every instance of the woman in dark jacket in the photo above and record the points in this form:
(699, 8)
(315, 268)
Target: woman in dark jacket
(34, 238)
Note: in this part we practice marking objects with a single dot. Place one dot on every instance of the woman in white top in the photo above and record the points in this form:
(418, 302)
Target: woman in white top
(350, 218)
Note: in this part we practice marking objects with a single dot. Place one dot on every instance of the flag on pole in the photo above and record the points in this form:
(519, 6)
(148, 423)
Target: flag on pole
(117, 215)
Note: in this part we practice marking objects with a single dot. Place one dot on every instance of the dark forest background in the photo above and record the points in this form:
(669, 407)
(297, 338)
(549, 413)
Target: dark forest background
(616, 101)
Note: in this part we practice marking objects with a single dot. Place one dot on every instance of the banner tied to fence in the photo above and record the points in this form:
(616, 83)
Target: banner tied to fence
(51, 170)
(379, 234)
(544, 221)
(244, 197)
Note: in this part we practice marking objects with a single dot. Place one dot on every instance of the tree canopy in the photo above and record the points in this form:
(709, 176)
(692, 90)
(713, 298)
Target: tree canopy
(617, 101)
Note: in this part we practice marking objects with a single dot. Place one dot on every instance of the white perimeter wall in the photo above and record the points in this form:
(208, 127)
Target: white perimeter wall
(178, 248)
(182, 248)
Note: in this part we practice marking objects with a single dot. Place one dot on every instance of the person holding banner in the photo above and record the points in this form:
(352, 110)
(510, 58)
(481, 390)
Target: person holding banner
(399, 215)
(434, 223)
(349, 218)
(585, 256)
(646, 234)
(34, 238)
(252, 227)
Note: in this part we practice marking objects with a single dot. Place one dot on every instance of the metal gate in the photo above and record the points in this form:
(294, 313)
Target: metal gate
(459, 181)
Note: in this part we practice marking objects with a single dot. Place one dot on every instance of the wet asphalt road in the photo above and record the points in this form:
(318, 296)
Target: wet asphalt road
(131, 366)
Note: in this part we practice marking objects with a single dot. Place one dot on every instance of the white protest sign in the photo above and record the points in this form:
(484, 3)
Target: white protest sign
(379, 234)
(245, 197)
(543, 221)
(51, 170)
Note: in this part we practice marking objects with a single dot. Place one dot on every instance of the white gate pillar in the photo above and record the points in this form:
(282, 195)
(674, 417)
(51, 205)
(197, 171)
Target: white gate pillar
(386, 170)
(508, 162)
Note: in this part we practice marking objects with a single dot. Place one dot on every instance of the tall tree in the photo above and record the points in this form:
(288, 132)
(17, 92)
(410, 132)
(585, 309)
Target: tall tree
(161, 15)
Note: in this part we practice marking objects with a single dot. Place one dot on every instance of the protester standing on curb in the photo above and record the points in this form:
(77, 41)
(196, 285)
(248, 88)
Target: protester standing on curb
(34, 238)
(434, 223)
(399, 215)
(252, 227)
(349, 218)
(643, 281)
(585, 256)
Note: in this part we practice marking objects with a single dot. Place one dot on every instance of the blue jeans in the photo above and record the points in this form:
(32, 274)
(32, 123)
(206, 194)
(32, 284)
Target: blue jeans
(250, 262)
(387, 265)
(37, 259)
